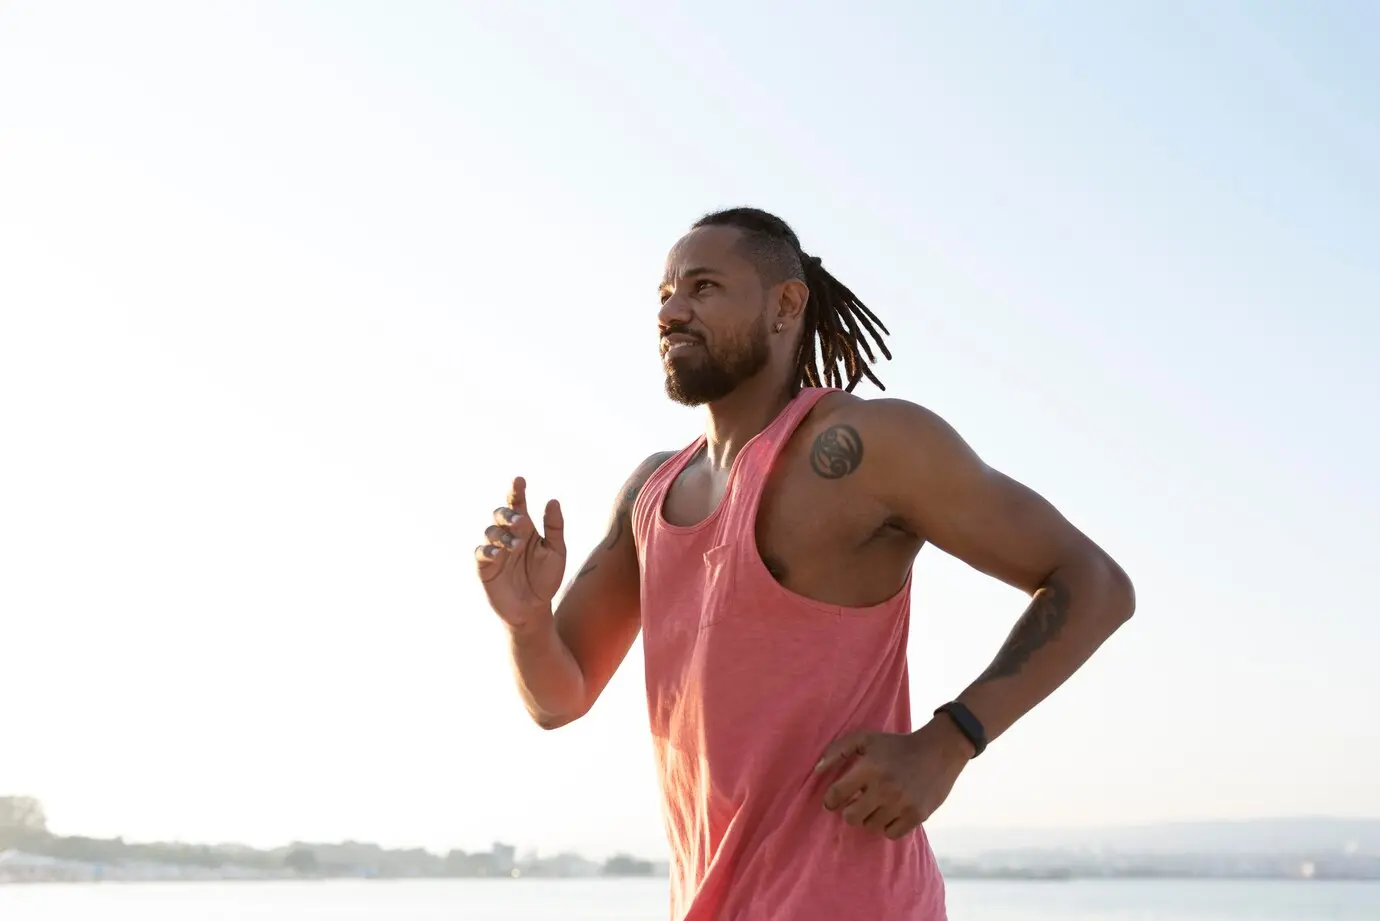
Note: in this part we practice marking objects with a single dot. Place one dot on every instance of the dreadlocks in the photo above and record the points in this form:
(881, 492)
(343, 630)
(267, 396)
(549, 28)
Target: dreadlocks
(837, 326)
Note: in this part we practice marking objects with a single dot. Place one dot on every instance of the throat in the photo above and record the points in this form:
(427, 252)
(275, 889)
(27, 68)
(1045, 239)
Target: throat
(737, 419)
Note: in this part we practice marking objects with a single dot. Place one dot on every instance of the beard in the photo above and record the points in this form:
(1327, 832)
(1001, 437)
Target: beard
(704, 376)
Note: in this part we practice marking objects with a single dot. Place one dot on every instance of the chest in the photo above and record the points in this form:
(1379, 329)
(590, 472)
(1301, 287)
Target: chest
(822, 538)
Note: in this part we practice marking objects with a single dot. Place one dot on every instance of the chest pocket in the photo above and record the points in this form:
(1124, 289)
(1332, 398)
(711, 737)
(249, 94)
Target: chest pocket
(720, 599)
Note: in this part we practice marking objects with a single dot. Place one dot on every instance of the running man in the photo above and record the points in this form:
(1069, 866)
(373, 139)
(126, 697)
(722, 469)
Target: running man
(768, 568)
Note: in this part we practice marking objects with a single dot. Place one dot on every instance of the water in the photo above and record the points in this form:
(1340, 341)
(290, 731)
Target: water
(645, 900)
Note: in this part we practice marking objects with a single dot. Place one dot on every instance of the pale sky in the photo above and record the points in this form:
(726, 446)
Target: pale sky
(289, 291)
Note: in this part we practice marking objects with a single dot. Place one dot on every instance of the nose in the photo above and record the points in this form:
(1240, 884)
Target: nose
(675, 312)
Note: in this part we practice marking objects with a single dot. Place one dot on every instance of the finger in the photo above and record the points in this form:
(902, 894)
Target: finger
(841, 750)
(519, 525)
(855, 780)
(488, 557)
(880, 818)
(501, 538)
(907, 822)
(865, 808)
(553, 524)
(517, 496)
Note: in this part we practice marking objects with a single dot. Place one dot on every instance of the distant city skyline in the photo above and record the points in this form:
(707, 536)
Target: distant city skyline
(1297, 849)
(1260, 835)
(289, 292)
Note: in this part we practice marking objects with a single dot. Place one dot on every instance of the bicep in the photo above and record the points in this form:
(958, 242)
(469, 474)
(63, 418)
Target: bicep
(1001, 527)
(599, 616)
(970, 510)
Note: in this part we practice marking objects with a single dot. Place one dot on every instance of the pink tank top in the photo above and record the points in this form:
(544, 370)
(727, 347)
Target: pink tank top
(747, 683)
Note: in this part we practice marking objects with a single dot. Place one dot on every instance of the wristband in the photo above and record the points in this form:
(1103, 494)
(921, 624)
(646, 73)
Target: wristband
(967, 723)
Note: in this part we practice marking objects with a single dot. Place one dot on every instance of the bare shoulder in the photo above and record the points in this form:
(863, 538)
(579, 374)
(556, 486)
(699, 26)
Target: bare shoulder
(614, 556)
(883, 437)
(915, 464)
(634, 483)
(887, 417)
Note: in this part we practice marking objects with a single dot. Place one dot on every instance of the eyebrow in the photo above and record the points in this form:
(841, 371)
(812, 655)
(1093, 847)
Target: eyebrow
(698, 271)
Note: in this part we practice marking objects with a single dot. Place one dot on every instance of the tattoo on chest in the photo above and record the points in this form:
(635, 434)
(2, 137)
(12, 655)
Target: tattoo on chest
(837, 452)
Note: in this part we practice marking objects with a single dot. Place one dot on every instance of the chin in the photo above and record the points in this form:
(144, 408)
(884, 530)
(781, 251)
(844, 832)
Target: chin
(675, 389)
(697, 390)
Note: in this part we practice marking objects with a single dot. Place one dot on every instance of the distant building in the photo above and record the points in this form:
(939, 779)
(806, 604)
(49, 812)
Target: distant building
(19, 867)
(623, 865)
(564, 866)
(504, 859)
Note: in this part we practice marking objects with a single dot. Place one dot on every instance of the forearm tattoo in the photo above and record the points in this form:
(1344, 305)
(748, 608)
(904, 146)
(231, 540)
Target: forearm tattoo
(1041, 623)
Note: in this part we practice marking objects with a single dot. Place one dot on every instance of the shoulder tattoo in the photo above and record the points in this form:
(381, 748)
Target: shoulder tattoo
(836, 452)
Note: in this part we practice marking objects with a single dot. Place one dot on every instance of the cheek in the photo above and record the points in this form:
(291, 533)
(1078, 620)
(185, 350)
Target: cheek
(727, 323)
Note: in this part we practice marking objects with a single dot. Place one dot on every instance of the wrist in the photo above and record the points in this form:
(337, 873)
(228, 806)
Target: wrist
(964, 730)
(533, 625)
(944, 735)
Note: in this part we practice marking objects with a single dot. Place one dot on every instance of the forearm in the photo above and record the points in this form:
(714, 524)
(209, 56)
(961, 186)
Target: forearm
(1079, 606)
(549, 678)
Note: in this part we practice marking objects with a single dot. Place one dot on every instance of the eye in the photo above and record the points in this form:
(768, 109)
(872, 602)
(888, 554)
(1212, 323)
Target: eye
(704, 285)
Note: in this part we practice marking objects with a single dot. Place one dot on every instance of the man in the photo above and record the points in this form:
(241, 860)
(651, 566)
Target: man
(768, 566)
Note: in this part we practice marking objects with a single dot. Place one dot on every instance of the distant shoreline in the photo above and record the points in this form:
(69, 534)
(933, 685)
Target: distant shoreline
(1305, 850)
(496, 881)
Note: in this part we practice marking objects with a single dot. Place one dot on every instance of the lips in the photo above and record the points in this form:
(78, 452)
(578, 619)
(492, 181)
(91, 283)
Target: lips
(677, 342)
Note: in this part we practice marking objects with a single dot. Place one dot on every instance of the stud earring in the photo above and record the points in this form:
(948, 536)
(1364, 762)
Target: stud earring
(776, 328)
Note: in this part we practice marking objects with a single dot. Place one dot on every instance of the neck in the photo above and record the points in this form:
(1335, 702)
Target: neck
(751, 407)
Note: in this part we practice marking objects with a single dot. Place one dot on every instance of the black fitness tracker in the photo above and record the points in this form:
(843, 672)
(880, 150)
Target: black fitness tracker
(967, 723)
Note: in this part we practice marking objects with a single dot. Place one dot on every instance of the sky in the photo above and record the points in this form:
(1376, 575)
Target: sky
(290, 291)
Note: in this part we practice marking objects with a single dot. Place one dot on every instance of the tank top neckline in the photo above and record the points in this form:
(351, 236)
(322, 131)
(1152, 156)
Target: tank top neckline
(788, 420)
(691, 451)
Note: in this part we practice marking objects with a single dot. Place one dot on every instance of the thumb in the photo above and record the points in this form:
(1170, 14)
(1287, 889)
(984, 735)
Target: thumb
(553, 524)
(840, 750)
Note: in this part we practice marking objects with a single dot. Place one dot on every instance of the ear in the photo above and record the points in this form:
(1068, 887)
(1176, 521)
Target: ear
(791, 297)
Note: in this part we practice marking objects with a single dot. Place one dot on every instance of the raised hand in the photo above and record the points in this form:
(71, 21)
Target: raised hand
(522, 569)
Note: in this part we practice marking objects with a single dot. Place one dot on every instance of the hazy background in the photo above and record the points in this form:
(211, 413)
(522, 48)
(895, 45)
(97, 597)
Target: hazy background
(289, 291)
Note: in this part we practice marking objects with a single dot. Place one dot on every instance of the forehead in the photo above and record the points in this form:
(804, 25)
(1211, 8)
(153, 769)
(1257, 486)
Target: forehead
(712, 248)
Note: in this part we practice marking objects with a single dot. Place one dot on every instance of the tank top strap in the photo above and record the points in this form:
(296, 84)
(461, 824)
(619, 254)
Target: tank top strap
(646, 512)
(750, 480)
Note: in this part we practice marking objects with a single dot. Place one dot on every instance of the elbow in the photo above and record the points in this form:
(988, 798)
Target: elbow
(550, 721)
(1118, 591)
(1106, 592)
